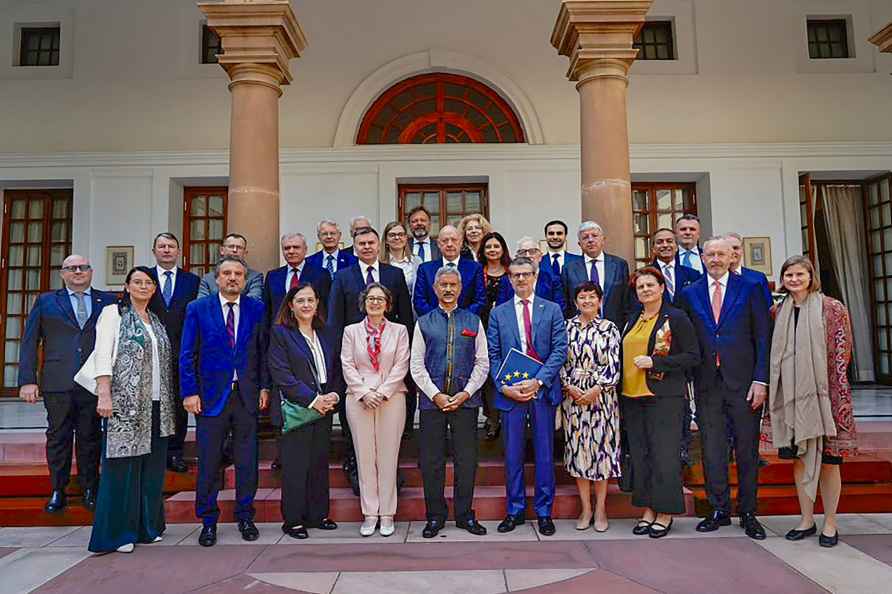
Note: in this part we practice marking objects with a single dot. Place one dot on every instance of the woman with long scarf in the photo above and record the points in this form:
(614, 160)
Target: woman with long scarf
(810, 401)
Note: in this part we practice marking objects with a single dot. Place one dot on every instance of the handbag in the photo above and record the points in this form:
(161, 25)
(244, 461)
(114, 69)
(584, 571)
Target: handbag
(295, 416)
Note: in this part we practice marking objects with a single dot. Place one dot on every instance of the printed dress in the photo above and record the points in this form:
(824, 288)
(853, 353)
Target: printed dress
(592, 431)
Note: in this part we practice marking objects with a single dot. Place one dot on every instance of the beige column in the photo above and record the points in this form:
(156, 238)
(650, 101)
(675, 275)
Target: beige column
(597, 37)
(258, 40)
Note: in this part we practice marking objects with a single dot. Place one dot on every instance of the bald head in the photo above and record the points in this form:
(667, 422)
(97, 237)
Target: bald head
(449, 242)
(76, 273)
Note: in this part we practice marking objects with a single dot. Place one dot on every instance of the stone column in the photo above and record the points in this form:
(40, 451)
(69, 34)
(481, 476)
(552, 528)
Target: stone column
(258, 40)
(597, 37)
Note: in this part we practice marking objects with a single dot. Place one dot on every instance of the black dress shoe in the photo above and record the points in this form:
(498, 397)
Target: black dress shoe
(751, 526)
(56, 502)
(208, 536)
(327, 524)
(177, 464)
(492, 431)
(352, 473)
(275, 466)
(510, 523)
(801, 534)
(431, 529)
(249, 530)
(828, 541)
(641, 528)
(658, 530)
(472, 526)
(89, 499)
(298, 532)
(713, 522)
(546, 526)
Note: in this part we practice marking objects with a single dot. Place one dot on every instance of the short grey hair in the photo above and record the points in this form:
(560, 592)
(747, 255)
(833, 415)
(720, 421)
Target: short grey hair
(714, 239)
(444, 270)
(523, 261)
(733, 235)
(525, 239)
(326, 222)
(226, 259)
(353, 220)
(293, 236)
(589, 226)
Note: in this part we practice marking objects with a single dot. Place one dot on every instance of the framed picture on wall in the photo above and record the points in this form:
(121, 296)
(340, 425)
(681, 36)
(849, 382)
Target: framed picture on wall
(118, 261)
(757, 254)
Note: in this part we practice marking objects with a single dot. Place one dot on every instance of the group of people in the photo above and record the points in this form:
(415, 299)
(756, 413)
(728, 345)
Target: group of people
(375, 330)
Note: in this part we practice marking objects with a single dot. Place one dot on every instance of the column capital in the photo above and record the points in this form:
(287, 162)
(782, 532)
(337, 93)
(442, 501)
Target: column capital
(883, 39)
(258, 39)
(598, 35)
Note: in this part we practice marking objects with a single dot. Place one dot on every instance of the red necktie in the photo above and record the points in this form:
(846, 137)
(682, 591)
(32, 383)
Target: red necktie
(528, 329)
(295, 278)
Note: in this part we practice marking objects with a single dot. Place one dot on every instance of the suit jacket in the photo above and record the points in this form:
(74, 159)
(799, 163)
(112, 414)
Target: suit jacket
(615, 284)
(345, 259)
(548, 287)
(359, 375)
(185, 291)
(434, 253)
(253, 285)
(343, 305)
(292, 367)
(473, 289)
(52, 322)
(684, 351)
(274, 287)
(207, 362)
(545, 262)
(684, 277)
(760, 280)
(549, 340)
(740, 338)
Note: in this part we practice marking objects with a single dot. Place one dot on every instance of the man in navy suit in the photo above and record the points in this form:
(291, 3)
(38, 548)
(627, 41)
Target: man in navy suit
(687, 235)
(753, 276)
(665, 259)
(731, 319)
(223, 382)
(420, 225)
(548, 286)
(536, 327)
(64, 323)
(609, 272)
(473, 291)
(557, 255)
(176, 289)
(330, 258)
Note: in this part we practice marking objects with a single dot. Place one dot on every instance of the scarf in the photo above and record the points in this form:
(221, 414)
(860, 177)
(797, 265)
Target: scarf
(373, 345)
(799, 393)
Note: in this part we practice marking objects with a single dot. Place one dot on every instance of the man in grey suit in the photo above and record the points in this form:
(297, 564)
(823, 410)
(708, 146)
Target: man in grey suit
(236, 245)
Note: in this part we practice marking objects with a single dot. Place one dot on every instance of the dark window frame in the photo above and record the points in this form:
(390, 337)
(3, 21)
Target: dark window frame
(210, 247)
(828, 39)
(656, 41)
(651, 214)
(440, 217)
(210, 42)
(51, 36)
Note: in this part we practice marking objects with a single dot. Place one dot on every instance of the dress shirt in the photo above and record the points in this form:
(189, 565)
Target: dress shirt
(409, 266)
(162, 279)
(423, 379)
(453, 262)
(518, 311)
(669, 272)
(696, 261)
(290, 273)
(427, 248)
(156, 367)
(599, 262)
(334, 261)
(376, 273)
(88, 302)
(723, 281)
(235, 317)
(562, 258)
(318, 361)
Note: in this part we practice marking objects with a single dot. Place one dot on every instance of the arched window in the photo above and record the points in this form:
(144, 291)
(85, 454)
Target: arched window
(439, 108)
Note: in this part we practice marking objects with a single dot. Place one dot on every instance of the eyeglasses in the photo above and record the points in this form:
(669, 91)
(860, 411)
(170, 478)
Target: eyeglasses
(521, 275)
(529, 252)
(376, 299)
(78, 268)
(396, 235)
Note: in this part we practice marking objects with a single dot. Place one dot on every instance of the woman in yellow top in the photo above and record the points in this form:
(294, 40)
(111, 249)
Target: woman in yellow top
(659, 346)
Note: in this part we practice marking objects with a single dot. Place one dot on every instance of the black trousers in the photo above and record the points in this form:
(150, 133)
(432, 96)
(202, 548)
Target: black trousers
(72, 424)
(349, 452)
(653, 429)
(176, 441)
(432, 442)
(303, 453)
(717, 408)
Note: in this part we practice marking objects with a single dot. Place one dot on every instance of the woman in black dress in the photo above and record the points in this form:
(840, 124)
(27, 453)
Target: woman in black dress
(494, 257)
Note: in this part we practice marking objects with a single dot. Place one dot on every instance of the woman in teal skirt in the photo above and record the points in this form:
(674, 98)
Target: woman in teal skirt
(132, 361)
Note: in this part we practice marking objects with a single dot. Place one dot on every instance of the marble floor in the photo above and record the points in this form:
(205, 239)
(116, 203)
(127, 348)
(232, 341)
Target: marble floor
(55, 560)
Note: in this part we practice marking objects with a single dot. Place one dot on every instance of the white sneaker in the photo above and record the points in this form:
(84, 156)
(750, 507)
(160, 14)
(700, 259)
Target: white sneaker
(368, 526)
(127, 548)
(158, 538)
(387, 527)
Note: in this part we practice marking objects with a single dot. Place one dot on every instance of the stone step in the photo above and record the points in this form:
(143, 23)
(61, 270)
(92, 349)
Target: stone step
(780, 500)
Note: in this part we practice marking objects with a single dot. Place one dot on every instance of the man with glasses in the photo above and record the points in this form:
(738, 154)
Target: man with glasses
(234, 245)
(548, 286)
(473, 291)
(331, 257)
(63, 322)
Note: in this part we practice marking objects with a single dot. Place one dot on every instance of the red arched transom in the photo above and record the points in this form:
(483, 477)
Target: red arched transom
(439, 108)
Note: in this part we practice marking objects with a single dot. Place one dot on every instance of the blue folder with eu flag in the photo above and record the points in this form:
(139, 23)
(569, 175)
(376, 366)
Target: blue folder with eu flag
(518, 367)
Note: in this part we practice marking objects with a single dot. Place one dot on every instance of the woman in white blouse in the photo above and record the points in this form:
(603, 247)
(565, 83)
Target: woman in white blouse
(132, 367)
(396, 252)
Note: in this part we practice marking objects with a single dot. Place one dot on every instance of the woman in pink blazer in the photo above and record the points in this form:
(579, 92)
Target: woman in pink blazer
(375, 360)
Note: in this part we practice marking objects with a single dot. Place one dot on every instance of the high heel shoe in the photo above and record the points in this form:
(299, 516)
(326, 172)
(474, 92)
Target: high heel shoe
(583, 524)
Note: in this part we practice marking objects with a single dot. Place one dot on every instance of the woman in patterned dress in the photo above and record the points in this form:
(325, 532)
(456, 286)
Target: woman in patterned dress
(590, 413)
(810, 401)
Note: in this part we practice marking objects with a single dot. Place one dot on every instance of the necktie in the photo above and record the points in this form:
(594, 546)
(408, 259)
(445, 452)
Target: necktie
(528, 329)
(593, 275)
(670, 284)
(230, 324)
(295, 277)
(716, 301)
(556, 265)
(451, 265)
(686, 259)
(167, 289)
(81, 312)
(421, 250)
(369, 279)
(329, 265)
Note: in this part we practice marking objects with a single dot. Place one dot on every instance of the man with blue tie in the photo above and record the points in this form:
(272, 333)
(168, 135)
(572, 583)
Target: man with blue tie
(737, 267)
(732, 323)
(420, 226)
(63, 322)
(687, 234)
(330, 258)
(536, 327)
(224, 382)
(473, 292)
(177, 289)
(557, 255)
(609, 272)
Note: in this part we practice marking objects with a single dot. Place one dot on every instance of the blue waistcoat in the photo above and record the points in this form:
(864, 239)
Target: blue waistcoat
(450, 343)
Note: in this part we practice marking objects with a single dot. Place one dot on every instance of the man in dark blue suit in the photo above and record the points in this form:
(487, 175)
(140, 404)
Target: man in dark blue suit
(748, 274)
(473, 292)
(536, 327)
(665, 254)
(548, 286)
(422, 245)
(609, 272)
(64, 323)
(223, 382)
(176, 289)
(732, 323)
(330, 258)
(557, 255)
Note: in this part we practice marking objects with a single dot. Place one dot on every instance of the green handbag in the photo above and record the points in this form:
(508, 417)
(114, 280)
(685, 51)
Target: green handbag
(295, 416)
